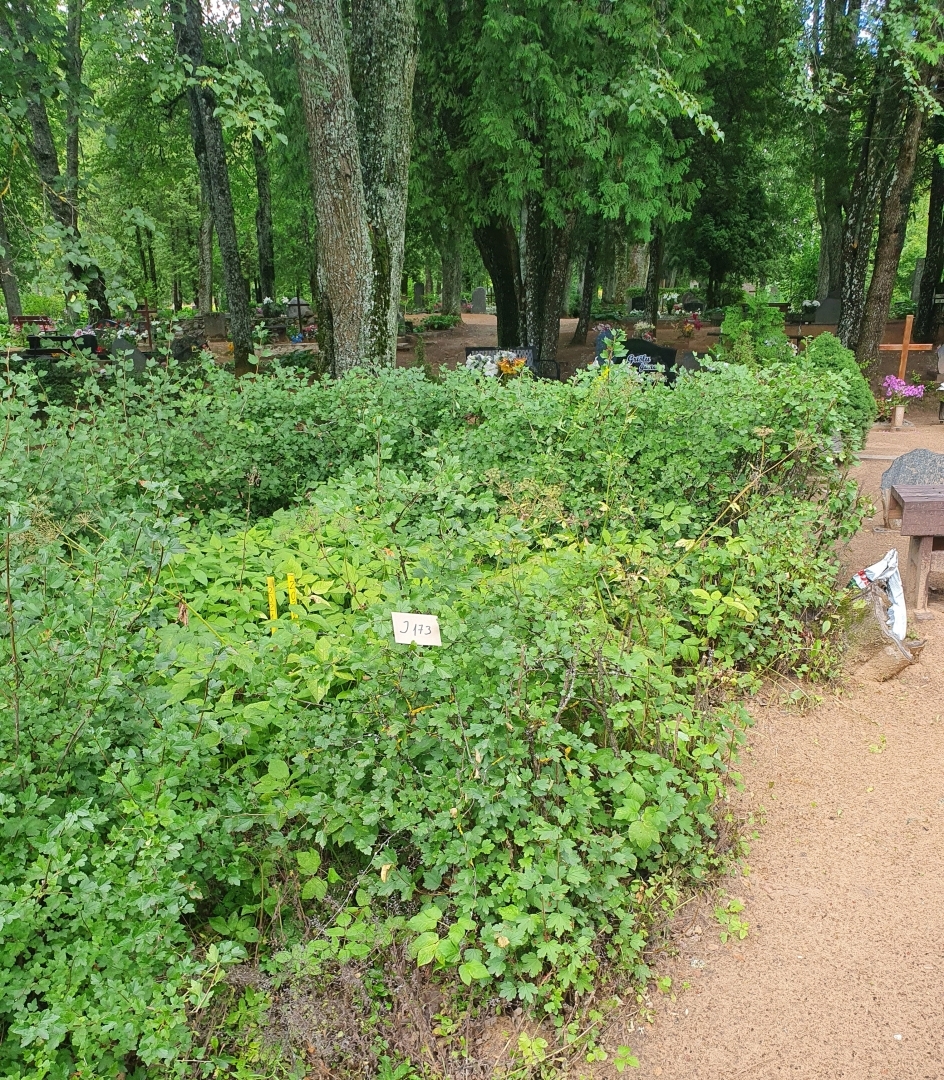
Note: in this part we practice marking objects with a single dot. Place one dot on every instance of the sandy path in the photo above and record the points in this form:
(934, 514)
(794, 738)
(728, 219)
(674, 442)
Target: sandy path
(842, 974)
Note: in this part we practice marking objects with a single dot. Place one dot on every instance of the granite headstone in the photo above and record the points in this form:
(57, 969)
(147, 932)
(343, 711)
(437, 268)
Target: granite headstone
(478, 301)
(419, 296)
(124, 349)
(214, 325)
(915, 467)
(827, 314)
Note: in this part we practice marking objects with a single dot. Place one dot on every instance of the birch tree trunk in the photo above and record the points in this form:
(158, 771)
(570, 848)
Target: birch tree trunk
(264, 244)
(11, 292)
(358, 113)
(498, 246)
(210, 151)
(893, 221)
(205, 258)
(928, 315)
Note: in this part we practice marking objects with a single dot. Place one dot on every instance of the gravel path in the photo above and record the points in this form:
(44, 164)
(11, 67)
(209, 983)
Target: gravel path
(842, 973)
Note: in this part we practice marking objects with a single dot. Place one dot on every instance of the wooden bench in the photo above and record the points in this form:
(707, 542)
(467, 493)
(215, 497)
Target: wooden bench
(921, 508)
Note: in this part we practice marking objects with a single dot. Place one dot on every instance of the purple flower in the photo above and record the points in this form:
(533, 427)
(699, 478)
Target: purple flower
(897, 390)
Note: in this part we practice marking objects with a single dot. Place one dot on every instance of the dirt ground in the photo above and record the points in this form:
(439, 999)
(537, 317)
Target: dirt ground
(842, 972)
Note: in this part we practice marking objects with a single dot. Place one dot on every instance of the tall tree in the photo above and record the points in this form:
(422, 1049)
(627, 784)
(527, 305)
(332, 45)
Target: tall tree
(22, 30)
(357, 86)
(577, 126)
(210, 152)
(11, 292)
(834, 48)
(928, 314)
(264, 244)
(893, 221)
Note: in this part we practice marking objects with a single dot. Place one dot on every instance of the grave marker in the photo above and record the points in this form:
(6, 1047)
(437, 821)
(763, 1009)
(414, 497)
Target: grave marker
(906, 346)
(412, 628)
(478, 301)
(419, 296)
(917, 467)
(828, 312)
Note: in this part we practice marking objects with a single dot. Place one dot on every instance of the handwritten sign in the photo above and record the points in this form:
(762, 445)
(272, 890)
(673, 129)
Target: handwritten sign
(408, 628)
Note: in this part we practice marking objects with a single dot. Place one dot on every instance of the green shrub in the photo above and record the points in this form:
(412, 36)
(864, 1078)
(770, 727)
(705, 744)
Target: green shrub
(611, 562)
(439, 322)
(826, 353)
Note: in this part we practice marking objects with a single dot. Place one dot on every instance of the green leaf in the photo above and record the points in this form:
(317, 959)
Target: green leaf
(428, 919)
(309, 862)
(472, 969)
(314, 889)
(278, 770)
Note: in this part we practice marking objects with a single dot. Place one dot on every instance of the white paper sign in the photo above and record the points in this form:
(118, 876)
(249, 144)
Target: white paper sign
(409, 627)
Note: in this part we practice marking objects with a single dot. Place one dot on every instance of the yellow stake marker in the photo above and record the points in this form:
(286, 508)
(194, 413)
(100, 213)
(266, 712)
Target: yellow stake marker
(292, 593)
(273, 607)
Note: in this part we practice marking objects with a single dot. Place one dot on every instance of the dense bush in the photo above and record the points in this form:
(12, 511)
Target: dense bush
(827, 353)
(186, 783)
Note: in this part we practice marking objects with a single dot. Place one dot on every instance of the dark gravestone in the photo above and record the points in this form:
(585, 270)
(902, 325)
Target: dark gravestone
(214, 325)
(419, 296)
(478, 301)
(827, 314)
(688, 361)
(915, 467)
(645, 356)
(637, 303)
(125, 350)
(44, 342)
(185, 348)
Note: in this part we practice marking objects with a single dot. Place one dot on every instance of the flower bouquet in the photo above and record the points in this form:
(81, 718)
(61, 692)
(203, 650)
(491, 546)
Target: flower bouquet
(897, 395)
(503, 364)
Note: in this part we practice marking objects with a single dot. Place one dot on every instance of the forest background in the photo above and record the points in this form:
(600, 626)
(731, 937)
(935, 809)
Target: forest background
(567, 155)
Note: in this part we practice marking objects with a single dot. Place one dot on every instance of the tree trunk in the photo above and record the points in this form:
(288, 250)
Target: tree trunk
(264, 244)
(358, 113)
(11, 292)
(893, 221)
(139, 243)
(451, 256)
(545, 251)
(928, 315)
(606, 266)
(72, 58)
(586, 294)
(836, 37)
(654, 275)
(829, 273)
(498, 246)
(61, 207)
(860, 220)
(205, 258)
(207, 134)
(152, 268)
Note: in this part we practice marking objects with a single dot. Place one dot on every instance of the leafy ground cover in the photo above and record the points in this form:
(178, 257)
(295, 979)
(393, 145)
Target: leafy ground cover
(190, 787)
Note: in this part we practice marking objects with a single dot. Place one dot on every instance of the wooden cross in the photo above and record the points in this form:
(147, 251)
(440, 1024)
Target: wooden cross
(906, 346)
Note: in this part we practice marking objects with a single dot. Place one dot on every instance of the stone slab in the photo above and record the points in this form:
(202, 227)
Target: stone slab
(916, 467)
(478, 301)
